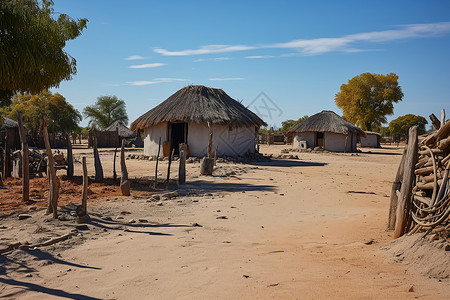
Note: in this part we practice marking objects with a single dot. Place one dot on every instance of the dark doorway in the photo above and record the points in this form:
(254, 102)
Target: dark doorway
(319, 139)
(178, 135)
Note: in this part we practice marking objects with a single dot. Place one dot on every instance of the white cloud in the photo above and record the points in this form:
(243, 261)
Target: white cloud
(214, 59)
(348, 43)
(225, 79)
(259, 56)
(155, 81)
(144, 66)
(210, 49)
(135, 57)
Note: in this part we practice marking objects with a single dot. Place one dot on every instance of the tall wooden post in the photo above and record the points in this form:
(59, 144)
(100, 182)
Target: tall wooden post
(69, 157)
(25, 162)
(124, 182)
(84, 191)
(182, 166)
(53, 184)
(168, 168)
(396, 185)
(157, 160)
(404, 202)
(114, 165)
(442, 117)
(7, 158)
(97, 163)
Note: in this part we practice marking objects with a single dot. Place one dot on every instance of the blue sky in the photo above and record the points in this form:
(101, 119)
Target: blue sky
(298, 53)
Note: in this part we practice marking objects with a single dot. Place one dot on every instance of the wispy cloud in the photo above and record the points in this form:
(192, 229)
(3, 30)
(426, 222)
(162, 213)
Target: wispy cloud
(259, 56)
(155, 81)
(225, 79)
(135, 57)
(144, 66)
(348, 43)
(210, 49)
(213, 59)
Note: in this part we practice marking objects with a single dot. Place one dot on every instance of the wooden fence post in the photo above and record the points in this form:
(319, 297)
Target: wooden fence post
(168, 168)
(97, 162)
(53, 184)
(25, 162)
(69, 157)
(82, 215)
(404, 202)
(157, 160)
(182, 167)
(124, 182)
(396, 185)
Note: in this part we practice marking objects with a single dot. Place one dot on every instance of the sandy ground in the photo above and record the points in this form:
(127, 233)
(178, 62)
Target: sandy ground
(311, 228)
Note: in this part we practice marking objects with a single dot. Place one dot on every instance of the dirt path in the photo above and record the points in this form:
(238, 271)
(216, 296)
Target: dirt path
(312, 228)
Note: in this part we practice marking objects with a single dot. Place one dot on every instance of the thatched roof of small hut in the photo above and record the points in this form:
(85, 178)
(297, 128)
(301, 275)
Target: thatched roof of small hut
(326, 121)
(199, 104)
(124, 132)
(8, 123)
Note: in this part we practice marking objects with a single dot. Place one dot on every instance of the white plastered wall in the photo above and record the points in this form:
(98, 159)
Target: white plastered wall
(335, 142)
(371, 140)
(304, 136)
(234, 142)
(238, 141)
(151, 138)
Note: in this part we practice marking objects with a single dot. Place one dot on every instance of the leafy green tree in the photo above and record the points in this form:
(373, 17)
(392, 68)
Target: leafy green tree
(61, 115)
(368, 98)
(32, 41)
(400, 126)
(384, 131)
(105, 111)
(288, 124)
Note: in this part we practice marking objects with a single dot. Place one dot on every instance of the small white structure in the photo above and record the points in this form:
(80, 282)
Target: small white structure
(326, 130)
(189, 115)
(372, 139)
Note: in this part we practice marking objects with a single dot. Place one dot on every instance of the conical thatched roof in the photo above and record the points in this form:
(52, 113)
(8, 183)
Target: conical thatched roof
(123, 130)
(199, 104)
(326, 121)
(8, 123)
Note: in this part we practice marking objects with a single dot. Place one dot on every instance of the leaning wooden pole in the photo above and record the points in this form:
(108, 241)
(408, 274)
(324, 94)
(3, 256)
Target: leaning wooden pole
(182, 166)
(396, 185)
(124, 182)
(156, 168)
(53, 184)
(168, 168)
(114, 165)
(84, 191)
(97, 163)
(25, 162)
(69, 157)
(404, 202)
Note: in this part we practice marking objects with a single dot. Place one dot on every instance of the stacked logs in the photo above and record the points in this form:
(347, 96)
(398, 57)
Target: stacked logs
(424, 200)
(431, 194)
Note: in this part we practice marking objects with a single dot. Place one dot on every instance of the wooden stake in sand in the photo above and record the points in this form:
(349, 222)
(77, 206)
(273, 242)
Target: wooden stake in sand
(168, 168)
(82, 215)
(207, 164)
(53, 184)
(396, 185)
(404, 202)
(156, 168)
(124, 182)
(182, 167)
(25, 163)
(215, 155)
(97, 163)
(114, 165)
(442, 117)
(69, 157)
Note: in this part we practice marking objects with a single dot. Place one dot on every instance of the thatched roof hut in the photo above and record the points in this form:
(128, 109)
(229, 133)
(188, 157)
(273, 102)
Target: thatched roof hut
(188, 115)
(372, 139)
(120, 127)
(326, 130)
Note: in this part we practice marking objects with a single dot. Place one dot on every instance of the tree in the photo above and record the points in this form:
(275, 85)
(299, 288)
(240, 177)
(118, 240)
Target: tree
(61, 115)
(288, 124)
(105, 111)
(400, 126)
(368, 98)
(32, 41)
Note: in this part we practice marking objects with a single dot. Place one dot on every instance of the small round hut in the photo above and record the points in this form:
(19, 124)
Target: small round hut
(325, 130)
(189, 115)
